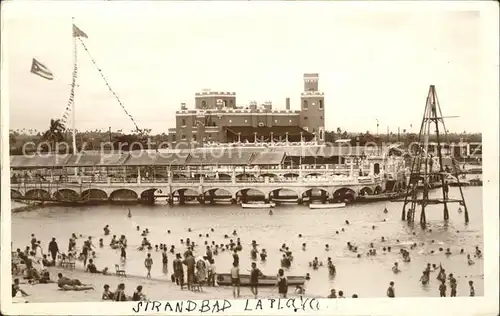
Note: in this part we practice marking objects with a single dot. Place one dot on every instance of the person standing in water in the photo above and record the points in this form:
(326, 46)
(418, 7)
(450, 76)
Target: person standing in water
(255, 273)
(453, 286)
(164, 260)
(472, 292)
(442, 289)
(148, 263)
(390, 291)
(282, 283)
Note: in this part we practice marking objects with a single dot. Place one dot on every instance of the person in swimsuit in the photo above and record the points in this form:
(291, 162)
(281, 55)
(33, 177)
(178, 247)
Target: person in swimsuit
(178, 270)
(164, 260)
(120, 293)
(332, 294)
(107, 294)
(282, 283)
(453, 286)
(390, 290)
(235, 280)
(472, 292)
(138, 295)
(148, 263)
(255, 273)
(442, 289)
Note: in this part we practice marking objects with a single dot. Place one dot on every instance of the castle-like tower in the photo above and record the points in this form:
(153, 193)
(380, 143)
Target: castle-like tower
(312, 115)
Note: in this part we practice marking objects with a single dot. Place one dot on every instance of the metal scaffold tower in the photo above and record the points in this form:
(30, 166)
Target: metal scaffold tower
(427, 168)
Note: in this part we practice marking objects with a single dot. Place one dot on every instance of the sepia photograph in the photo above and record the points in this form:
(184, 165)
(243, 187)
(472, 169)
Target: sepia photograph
(248, 157)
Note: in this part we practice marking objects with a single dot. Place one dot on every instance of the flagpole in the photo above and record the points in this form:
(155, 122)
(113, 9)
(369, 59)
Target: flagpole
(73, 116)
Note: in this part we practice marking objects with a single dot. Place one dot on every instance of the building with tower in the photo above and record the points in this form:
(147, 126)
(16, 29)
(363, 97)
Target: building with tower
(217, 119)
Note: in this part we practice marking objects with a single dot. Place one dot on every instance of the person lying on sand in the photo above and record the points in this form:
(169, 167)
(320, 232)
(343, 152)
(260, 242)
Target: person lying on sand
(67, 287)
(69, 283)
(93, 269)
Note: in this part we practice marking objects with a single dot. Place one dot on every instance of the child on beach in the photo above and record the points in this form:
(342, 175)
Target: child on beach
(148, 263)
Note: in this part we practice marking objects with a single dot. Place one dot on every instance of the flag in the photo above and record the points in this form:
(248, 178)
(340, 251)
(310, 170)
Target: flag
(40, 69)
(78, 33)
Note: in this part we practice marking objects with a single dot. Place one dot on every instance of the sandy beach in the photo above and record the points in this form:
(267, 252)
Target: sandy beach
(155, 288)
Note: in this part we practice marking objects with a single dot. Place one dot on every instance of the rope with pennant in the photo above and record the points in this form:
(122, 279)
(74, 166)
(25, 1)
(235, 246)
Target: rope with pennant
(109, 87)
(71, 100)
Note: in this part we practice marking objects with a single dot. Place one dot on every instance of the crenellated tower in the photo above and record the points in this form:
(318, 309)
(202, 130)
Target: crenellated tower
(312, 106)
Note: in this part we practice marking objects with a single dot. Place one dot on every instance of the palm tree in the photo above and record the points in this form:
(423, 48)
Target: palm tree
(55, 133)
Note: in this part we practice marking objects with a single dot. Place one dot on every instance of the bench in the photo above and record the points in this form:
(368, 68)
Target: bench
(119, 272)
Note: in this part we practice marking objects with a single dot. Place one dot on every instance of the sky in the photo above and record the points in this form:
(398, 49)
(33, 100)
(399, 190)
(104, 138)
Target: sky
(374, 63)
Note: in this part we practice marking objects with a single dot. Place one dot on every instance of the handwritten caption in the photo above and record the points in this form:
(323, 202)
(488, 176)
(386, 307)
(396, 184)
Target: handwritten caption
(220, 306)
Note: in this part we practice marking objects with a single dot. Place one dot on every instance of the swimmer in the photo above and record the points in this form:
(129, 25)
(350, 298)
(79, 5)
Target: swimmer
(395, 268)
(469, 260)
(189, 229)
(382, 239)
(106, 230)
(235, 233)
(300, 235)
(168, 231)
(327, 247)
(373, 226)
(263, 255)
(342, 229)
(386, 211)
(460, 210)
(212, 230)
(346, 222)
(270, 212)
(129, 213)
(478, 253)
(304, 246)
(138, 228)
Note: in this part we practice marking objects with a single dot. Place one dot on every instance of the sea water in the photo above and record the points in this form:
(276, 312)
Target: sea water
(367, 276)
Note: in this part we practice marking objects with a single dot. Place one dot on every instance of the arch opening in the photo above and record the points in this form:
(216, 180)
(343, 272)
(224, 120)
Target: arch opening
(123, 195)
(94, 195)
(66, 195)
(344, 195)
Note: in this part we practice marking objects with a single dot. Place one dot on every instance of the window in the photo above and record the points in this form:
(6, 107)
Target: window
(275, 121)
(321, 104)
(183, 122)
(305, 105)
(183, 137)
(209, 136)
(203, 104)
(305, 117)
(173, 138)
(194, 138)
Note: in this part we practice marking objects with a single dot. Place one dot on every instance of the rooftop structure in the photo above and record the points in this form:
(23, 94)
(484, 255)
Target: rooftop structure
(216, 117)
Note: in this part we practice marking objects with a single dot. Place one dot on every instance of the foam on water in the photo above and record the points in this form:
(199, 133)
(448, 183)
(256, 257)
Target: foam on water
(366, 276)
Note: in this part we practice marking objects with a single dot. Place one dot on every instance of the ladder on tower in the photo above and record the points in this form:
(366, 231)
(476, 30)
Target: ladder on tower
(424, 171)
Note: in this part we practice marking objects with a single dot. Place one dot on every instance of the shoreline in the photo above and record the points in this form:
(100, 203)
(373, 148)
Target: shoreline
(154, 289)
